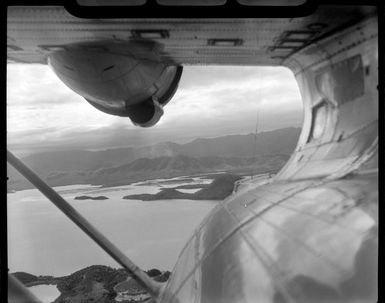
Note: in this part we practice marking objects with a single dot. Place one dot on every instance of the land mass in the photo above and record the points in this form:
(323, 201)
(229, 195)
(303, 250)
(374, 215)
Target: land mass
(97, 284)
(91, 198)
(219, 189)
(239, 154)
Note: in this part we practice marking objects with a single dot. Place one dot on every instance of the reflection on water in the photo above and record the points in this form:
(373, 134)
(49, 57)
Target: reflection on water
(189, 191)
(42, 241)
(46, 293)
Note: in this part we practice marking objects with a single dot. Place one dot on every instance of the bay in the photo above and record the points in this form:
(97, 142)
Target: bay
(45, 293)
(42, 241)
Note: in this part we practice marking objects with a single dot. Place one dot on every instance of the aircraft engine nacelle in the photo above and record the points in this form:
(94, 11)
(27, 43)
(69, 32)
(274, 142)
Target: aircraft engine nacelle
(122, 79)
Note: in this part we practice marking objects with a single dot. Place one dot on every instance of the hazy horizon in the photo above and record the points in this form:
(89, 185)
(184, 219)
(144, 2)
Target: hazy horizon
(180, 142)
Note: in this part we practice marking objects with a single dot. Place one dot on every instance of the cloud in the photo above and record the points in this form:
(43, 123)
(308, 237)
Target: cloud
(42, 113)
(36, 84)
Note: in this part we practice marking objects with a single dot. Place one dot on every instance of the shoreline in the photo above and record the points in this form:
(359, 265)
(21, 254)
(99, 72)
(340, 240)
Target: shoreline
(122, 183)
(94, 282)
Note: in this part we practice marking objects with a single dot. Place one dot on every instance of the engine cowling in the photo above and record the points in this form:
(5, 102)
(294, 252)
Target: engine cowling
(123, 79)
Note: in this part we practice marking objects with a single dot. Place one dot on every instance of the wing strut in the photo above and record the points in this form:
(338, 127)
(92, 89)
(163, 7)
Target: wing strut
(18, 293)
(140, 276)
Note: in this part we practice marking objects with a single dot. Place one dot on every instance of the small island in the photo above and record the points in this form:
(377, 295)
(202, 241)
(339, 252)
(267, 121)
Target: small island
(91, 198)
(219, 189)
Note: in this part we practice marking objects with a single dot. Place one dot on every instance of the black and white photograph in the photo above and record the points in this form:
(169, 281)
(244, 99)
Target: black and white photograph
(192, 151)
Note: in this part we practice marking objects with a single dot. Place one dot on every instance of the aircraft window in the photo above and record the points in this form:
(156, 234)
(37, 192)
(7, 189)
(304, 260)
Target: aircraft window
(239, 104)
(51, 48)
(150, 34)
(299, 35)
(293, 43)
(272, 2)
(225, 42)
(191, 2)
(110, 2)
(11, 48)
(186, 263)
(320, 114)
(343, 81)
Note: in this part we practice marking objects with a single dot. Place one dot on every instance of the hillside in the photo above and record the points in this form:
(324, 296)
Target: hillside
(280, 141)
(97, 284)
(236, 153)
(163, 167)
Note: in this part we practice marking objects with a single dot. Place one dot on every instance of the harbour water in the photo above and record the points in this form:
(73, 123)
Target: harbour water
(42, 241)
(45, 293)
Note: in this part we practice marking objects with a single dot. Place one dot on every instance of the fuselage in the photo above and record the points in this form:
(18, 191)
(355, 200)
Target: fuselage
(299, 241)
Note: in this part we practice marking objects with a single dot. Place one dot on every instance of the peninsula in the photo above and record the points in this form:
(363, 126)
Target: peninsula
(97, 284)
(219, 189)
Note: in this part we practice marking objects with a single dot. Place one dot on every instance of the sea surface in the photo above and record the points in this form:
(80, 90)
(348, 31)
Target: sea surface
(45, 293)
(42, 241)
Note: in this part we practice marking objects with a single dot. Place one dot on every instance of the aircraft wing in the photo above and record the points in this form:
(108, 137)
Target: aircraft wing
(34, 32)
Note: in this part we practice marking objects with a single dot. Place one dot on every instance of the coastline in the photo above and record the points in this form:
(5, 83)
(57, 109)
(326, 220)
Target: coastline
(97, 283)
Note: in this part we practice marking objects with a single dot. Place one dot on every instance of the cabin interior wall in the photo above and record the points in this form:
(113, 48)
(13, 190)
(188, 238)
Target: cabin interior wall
(338, 78)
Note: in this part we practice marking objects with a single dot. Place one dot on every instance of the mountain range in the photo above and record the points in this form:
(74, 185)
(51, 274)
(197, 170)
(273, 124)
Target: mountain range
(249, 153)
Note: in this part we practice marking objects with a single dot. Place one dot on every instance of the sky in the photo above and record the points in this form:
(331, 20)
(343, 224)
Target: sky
(43, 114)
